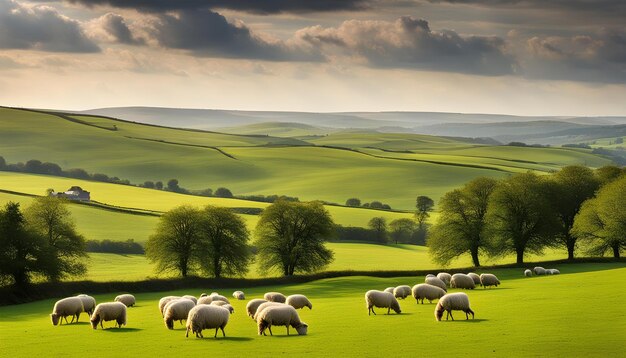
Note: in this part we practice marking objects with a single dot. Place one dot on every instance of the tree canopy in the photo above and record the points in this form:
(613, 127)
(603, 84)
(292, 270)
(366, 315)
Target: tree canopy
(379, 225)
(402, 230)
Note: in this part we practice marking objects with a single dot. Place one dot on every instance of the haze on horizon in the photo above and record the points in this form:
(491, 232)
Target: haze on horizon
(521, 57)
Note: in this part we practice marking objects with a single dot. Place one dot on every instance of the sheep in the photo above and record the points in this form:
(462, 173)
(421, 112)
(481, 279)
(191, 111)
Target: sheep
(217, 297)
(389, 289)
(252, 306)
(230, 308)
(381, 299)
(461, 280)
(553, 271)
(299, 301)
(207, 317)
(204, 294)
(434, 281)
(426, 291)
(474, 277)
(275, 297)
(239, 295)
(127, 299)
(283, 315)
(430, 275)
(109, 311)
(265, 305)
(177, 310)
(206, 300)
(458, 301)
(548, 272)
(192, 298)
(528, 273)
(164, 301)
(538, 270)
(89, 303)
(402, 291)
(487, 279)
(70, 306)
(445, 277)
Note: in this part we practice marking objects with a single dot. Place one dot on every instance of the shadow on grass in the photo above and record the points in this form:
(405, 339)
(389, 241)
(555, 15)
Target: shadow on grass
(210, 338)
(121, 330)
(477, 320)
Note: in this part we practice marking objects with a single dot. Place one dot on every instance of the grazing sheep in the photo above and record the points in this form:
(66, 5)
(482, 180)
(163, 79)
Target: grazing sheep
(430, 275)
(89, 303)
(217, 297)
(165, 300)
(553, 271)
(177, 310)
(207, 317)
(70, 306)
(265, 305)
(127, 299)
(463, 281)
(389, 289)
(402, 291)
(214, 293)
(283, 315)
(487, 279)
(453, 302)
(474, 277)
(253, 305)
(109, 311)
(434, 281)
(230, 308)
(374, 298)
(299, 301)
(239, 295)
(192, 298)
(275, 297)
(206, 300)
(528, 273)
(445, 277)
(426, 291)
(538, 270)
(204, 294)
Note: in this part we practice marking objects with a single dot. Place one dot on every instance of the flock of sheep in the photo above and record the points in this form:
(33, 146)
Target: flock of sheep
(540, 271)
(108, 311)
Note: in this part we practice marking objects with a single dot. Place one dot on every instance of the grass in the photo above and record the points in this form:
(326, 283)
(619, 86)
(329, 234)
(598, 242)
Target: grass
(539, 316)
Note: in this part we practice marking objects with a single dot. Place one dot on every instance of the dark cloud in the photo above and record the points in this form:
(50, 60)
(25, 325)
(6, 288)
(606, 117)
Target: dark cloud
(607, 6)
(116, 26)
(40, 28)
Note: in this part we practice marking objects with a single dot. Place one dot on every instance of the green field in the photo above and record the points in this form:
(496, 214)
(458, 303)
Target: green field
(578, 313)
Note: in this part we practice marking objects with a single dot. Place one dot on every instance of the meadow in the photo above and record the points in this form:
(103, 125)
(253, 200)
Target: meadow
(577, 313)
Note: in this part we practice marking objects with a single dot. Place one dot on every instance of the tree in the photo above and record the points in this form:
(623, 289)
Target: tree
(290, 236)
(379, 226)
(172, 185)
(158, 185)
(3, 163)
(224, 242)
(50, 218)
(461, 226)
(601, 221)
(353, 202)
(519, 216)
(175, 244)
(571, 186)
(608, 173)
(376, 205)
(223, 193)
(148, 184)
(402, 230)
(424, 206)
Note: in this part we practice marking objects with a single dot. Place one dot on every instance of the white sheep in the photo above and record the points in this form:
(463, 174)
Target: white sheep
(230, 308)
(206, 300)
(425, 291)
(239, 295)
(463, 281)
(89, 303)
(265, 305)
(283, 315)
(207, 317)
(434, 281)
(127, 299)
(402, 291)
(192, 298)
(177, 310)
(487, 279)
(252, 306)
(275, 297)
(374, 298)
(389, 289)
(554, 271)
(474, 277)
(217, 297)
(164, 301)
(538, 270)
(109, 311)
(430, 275)
(70, 306)
(445, 277)
(457, 301)
(548, 272)
(528, 273)
(299, 301)
(204, 294)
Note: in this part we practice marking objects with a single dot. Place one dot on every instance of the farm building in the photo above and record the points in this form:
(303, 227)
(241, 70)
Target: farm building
(74, 193)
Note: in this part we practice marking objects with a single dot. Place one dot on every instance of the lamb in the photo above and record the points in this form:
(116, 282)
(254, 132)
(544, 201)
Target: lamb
(206, 300)
(177, 310)
(127, 299)
(402, 291)
(426, 291)
(461, 280)
(389, 289)
(553, 271)
(217, 297)
(230, 308)
(239, 295)
(299, 301)
(538, 270)
(283, 315)
(253, 305)
(164, 301)
(192, 298)
(109, 311)
(89, 303)
(275, 297)
(528, 273)
(474, 277)
(374, 298)
(487, 279)
(434, 281)
(265, 305)
(445, 277)
(70, 306)
(207, 317)
(457, 301)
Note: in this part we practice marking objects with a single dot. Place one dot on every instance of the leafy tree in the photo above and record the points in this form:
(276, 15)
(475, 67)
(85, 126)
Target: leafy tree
(50, 218)
(224, 242)
(290, 236)
(353, 202)
(33, 166)
(608, 173)
(148, 184)
(223, 193)
(461, 226)
(424, 206)
(402, 230)
(379, 226)
(3, 163)
(175, 244)
(602, 220)
(158, 185)
(519, 216)
(376, 205)
(172, 185)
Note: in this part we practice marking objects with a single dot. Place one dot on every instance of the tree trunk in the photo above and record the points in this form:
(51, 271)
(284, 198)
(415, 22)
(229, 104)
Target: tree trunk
(571, 244)
(520, 256)
(475, 257)
(616, 251)
(217, 269)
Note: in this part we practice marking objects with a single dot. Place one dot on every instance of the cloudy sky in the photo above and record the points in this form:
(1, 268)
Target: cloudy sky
(529, 57)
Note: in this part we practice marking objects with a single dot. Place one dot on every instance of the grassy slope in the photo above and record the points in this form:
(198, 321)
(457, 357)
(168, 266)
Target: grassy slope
(542, 316)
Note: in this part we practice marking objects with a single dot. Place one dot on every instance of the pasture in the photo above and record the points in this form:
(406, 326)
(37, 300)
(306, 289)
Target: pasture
(577, 313)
